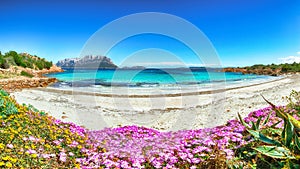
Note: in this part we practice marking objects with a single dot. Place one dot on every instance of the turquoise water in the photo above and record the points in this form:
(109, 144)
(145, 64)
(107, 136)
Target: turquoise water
(148, 77)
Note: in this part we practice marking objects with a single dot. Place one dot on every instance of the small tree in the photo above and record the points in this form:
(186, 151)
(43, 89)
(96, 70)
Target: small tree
(5, 64)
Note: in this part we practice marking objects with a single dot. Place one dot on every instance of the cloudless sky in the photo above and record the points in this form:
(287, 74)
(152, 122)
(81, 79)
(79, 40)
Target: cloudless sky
(243, 32)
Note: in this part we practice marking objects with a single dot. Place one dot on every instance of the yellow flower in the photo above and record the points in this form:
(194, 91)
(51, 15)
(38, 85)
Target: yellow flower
(77, 165)
(13, 160)
(47, 146)
(34, 155)
(6, 158)
(8, 164)
(2, 163)
(33, 146)
(2, 146)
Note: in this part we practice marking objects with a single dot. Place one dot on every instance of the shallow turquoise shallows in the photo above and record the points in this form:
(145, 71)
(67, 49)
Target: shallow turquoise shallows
(149, 77)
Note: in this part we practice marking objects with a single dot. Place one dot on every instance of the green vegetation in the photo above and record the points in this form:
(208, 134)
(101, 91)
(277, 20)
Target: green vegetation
(23, 73)
(276, 142)
(284, 68)
(12, 58)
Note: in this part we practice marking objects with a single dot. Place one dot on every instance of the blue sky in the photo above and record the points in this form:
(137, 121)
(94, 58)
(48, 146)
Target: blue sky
(242, 32)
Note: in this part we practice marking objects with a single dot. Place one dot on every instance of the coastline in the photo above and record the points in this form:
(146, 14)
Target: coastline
(184, 92)
(192, 111)
(19, 82)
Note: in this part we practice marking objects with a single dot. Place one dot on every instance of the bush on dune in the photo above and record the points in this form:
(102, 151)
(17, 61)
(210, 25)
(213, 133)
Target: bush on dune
(31, 138)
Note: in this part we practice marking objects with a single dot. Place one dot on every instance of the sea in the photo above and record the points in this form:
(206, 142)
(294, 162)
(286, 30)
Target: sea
(164, 79)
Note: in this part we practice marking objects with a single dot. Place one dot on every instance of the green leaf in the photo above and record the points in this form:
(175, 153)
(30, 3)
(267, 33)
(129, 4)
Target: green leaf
(243, 122)
(283, 132)
(288, 132)
(275, 152)
(275, 124)
(295, 122)
(266, 139)
(267, 119)
(254, 133)
(253, 127)
(258, 122)
(284, 115)
(296, 140)
(263, 138)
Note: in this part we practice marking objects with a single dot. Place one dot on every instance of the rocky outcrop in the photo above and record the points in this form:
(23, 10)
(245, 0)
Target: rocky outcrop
(258, 71)
(36, 73)
(53, 69)
(17, 82)
(14, 84)
(88, 62)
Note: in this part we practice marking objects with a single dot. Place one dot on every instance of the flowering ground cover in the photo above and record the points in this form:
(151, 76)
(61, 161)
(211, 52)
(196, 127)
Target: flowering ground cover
(32, 139)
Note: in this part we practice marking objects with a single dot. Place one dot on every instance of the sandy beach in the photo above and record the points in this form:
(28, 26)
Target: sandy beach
(169, 112)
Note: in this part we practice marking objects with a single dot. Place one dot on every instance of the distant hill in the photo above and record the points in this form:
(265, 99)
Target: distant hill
(24, 60)
(88, 62)
(271, 69)
(13, 65)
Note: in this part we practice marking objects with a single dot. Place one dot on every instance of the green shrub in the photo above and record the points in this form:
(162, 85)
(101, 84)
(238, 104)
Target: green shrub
(3, 93)
(23, 73)
(48, 65)
(26, 61)
(279, 145)
(39, 64)
(5, 65)
(7, 106)
(285, 67)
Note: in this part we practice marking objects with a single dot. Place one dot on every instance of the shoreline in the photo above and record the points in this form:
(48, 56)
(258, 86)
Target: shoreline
(163, 113)
(200, 92)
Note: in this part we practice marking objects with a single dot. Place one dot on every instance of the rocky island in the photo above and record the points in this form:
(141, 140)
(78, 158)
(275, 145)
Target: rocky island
(87, 62)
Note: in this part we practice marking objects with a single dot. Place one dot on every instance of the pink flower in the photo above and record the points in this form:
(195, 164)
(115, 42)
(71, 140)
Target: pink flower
(30, 151)
(31, 138)
(62, 156)
(10, 146)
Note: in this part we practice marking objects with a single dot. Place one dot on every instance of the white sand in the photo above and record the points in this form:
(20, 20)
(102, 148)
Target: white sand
(176, 112)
